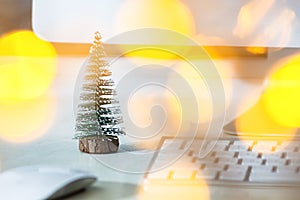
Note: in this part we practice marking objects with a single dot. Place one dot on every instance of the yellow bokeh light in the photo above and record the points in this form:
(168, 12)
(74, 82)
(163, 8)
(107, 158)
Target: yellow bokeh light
(161, 189)
(152, 54)
(276, 113)
(257, 124)
(137, 14)
(27, 69)
(27, 120)
(27, 66)
(281, 97)
(257, 50)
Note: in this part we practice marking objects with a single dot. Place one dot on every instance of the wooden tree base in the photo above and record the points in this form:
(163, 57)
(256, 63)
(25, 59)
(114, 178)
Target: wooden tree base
(99, 144)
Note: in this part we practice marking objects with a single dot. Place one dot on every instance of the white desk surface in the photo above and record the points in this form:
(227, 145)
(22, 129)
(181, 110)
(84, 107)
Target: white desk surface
(56, 147)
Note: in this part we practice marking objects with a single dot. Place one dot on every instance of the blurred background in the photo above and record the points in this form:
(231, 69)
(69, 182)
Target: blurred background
(27, 73)
(15, 15)
(242, 37)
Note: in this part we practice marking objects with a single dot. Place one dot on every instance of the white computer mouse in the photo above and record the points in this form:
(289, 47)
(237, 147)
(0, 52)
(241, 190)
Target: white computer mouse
(42, 182)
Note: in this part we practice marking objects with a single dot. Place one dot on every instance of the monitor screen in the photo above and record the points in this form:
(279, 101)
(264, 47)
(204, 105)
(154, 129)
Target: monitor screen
(216, 23)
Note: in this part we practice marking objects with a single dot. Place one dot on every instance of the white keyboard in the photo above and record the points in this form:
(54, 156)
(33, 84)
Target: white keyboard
(268, 162)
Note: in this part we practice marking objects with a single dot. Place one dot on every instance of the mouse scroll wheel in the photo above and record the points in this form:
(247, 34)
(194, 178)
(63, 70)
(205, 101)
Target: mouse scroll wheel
(52, 169)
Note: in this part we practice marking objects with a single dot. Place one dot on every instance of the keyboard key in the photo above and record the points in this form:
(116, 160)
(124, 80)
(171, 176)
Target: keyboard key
(275, 161)
(220, 143)
(293, 155)
(290, 146)
(214, 166)
(243, 142)
(224, 154)
(263, 149)
(286, 169)
(250, 161)
(225, 142)
(272, 156)
(210, 160)
(294, 162)
(232, 168)
(274, 177)
(248, 154)
(219, 147)
(227, 160)
(232, 175)
(209, 155)
(207, 175)
(266, 143)
(261, 169)
(265, 146)
(238, 148)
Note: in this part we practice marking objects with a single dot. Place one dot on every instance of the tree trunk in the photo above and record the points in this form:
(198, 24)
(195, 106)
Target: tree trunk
(99, 144)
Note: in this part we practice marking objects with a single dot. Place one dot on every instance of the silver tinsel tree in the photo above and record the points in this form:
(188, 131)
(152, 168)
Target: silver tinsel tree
(99, 115)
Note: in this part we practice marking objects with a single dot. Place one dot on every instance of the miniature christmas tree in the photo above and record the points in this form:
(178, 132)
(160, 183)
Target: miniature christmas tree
(98, 115)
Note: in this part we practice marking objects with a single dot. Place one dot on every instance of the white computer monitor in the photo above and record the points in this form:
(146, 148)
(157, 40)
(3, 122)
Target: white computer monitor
(216, 23)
